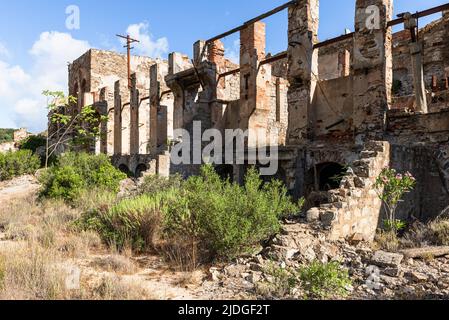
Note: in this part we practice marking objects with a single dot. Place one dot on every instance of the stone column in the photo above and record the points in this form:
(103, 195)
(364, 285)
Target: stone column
(416, 48)
(254, 103)
(303, 21)
(176, 63)
(199, 52)
(158, 124)
(372, 64)
(446, 52)
(216, 55)
(134, 129)
(117, 119)
(107, 98)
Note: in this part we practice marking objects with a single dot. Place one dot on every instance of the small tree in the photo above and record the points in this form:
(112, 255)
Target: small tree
(71, 127)
(391, 186)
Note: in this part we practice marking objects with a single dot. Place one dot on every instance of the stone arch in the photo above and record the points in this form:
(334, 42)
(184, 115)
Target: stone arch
(141, 168)
(325, 176)
(125, 169)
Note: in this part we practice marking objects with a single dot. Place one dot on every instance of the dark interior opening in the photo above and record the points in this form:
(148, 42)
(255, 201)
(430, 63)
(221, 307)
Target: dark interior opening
(123, 168)
(330, 176)
(141, 168)
(225, 171)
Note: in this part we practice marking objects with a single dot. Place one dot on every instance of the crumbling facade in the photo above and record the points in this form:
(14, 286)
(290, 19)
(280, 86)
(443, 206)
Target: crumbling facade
(18, 136)
(340, 110)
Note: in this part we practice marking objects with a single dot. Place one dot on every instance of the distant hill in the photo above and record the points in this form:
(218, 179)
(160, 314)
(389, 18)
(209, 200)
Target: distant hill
(6, 135)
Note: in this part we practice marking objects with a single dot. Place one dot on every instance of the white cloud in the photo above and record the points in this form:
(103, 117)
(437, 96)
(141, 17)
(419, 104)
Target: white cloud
(3, 51)
(21, 100)
(233, 53)
(147, 46)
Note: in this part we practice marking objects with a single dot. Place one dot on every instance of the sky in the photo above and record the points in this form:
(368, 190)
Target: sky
(36, 45)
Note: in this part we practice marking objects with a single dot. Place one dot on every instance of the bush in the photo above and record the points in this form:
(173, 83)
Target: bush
(76, 172)
(224, 218)
(202, 219)
(14, 164)
(132, 222)
(281, 284)
(33, 143)
(6, 135)
(154, 184)
(324, 281)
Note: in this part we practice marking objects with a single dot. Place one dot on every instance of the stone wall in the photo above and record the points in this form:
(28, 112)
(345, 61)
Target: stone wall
(355, 208)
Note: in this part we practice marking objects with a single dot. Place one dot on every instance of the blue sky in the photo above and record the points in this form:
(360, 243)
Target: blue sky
(35, 44)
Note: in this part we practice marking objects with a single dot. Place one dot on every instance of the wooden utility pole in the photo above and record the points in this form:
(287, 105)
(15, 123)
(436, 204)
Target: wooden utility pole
(129, 42)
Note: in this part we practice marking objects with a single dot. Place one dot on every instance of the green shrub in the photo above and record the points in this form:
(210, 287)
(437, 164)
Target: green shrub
(74, 173)
(280, 284)
(393, 226)
(132, 222)
(154, 184)
(324, 281)
(6, 135)
(33, 143)
(204, 218)
(13, 164)
(225, 218)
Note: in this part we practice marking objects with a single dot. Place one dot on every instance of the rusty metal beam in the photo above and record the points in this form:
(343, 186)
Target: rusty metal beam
(392, 23)
(277, 57)
(229, 73)
(254, 20)
(421, 14)
(333, 40)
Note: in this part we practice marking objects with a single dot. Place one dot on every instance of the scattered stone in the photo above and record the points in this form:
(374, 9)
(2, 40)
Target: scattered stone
(234, 271)
(313, 215)
(387, 259)
(215, 274)
(356, 238)
(417, 277)
(327, 218)
(392, 272)
(254, 277)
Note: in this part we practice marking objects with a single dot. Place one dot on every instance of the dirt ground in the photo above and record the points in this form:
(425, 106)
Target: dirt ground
(150, 272)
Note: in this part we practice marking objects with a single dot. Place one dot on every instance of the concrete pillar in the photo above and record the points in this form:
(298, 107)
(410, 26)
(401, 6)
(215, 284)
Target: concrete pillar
(134, 126)
(117, 119)
(199, 52)
(372, 64)
(344, 63)
(416, 49)
(303, 21)
(108, 134)
(161, 108)
(446, 52)
(176, 65)
(254, 105)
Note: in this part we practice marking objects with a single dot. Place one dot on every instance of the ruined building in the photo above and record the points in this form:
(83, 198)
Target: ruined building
(346, 107)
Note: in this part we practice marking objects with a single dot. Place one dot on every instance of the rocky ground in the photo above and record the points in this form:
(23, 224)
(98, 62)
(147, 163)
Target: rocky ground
(410, 274)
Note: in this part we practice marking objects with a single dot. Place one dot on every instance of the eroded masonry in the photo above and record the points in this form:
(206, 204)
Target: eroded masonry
(346, 107)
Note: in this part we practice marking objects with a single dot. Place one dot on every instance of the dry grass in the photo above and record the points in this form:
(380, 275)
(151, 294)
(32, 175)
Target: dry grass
(190, 279)
(114, 288)
(47, 241)
(440, 230)
(30, 273)
(116, 263)
(388, 241)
